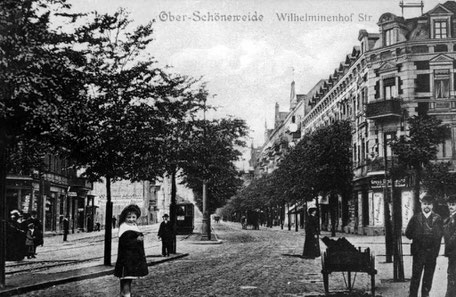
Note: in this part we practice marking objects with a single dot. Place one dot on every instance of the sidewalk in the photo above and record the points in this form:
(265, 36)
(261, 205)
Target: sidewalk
(385, 286)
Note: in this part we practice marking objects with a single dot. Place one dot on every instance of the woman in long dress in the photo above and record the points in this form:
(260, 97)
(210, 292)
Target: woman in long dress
(131, 260)
(311, 244)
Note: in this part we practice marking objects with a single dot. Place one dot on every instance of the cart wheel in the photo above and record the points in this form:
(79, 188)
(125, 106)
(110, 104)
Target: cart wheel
(326, 282)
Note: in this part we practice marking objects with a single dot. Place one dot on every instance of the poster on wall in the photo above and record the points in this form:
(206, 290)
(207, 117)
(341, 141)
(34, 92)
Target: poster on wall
(378, 209)
(407, 207)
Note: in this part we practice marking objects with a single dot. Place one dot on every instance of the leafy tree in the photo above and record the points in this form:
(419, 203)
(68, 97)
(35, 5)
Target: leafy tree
(130, 105)
(416, 150)
(40, 78)
(210, 154)
(439, 182)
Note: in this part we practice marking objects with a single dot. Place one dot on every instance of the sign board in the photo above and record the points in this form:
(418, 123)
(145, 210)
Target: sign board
(72, 194)
(380, 183)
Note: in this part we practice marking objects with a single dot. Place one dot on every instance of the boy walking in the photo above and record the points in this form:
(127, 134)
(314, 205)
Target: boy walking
(425, 229)
(449, 233)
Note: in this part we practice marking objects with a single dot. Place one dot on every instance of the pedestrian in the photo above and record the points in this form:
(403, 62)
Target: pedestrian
(312, 243)
(15, 238)
(30, 241)
(114, 222)
(165, 233)
(425, 229)
(131, 259)
(38, 229)
(97, 226)
(449, 233)
(66, 227)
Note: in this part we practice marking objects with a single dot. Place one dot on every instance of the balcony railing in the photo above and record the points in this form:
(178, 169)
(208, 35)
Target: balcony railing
(383, 109)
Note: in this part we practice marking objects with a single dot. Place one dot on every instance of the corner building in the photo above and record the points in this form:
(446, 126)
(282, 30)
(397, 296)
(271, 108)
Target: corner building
(407, 69)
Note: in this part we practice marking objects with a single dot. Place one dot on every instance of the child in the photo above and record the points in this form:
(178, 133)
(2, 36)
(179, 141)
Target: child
(131, 259)
(30, 241)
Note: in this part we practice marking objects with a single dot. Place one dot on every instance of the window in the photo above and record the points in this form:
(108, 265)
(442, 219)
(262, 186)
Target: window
(389, 88)
(440, 29)
(390, 37)
(422, 83)
(441, 83)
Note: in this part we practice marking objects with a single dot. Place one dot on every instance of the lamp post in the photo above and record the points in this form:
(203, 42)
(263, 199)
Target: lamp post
(206, 223)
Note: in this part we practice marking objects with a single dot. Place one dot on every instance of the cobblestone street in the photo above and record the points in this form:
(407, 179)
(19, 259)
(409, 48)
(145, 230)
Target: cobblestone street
(248, 263)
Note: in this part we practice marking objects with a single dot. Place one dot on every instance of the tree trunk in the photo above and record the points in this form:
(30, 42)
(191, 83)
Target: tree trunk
(108, 224)
(398, 271)
(416, 191)
(172, 209)
(289, 218)
(282, 215)
(3, 210)
(333, 204)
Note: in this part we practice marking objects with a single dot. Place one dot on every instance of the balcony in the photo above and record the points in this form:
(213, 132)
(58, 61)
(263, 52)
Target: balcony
(81, 183)
(383, 109)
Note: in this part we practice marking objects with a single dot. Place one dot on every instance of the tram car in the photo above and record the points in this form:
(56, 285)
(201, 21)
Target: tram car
(185, 218)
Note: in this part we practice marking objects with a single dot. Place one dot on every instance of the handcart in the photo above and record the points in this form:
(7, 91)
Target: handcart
(341, 256)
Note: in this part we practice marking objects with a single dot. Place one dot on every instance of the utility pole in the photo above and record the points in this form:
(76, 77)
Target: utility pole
(386, 209)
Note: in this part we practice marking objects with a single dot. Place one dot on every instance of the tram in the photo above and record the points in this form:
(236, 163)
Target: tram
(185, 212)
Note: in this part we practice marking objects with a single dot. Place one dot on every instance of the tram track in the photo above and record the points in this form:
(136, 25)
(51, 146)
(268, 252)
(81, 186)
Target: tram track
(41, 265)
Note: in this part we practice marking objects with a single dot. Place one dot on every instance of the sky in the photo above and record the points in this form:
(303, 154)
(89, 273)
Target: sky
(249, 64)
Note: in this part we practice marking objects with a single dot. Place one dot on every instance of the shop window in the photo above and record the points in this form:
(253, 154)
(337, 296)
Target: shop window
(442, 83)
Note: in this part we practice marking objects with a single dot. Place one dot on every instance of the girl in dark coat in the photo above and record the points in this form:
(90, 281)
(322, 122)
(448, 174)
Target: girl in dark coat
(312, 244)
(131, 259)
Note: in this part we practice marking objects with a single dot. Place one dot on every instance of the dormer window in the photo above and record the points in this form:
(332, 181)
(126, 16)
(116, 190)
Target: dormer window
(440, 29)
(390, 36)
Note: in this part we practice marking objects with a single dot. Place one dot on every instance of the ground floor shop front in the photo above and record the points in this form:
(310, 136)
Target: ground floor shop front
(53, 197)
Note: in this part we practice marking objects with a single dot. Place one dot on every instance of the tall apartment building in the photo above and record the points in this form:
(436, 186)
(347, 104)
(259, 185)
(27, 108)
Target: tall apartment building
(407, 69)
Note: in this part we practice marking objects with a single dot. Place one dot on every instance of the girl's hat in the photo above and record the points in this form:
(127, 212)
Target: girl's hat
(130, 208)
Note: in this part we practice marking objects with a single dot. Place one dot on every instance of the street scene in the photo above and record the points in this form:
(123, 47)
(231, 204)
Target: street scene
(228, 148)
(263, 262)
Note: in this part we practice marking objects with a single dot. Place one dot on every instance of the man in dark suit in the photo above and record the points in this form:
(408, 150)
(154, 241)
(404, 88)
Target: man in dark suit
(449, 232)
(165, 232)
(425, 229)
(66, 228)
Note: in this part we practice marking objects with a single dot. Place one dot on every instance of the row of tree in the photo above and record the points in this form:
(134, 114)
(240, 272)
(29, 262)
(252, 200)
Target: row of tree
(321, 164)
(84, 87)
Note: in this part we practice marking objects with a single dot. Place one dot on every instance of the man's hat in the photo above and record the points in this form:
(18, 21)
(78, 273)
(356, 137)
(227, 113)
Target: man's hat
(15, 212)
(451, 199)
(428, 198)
(165, 215)
(30, 225)
(311, 209)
